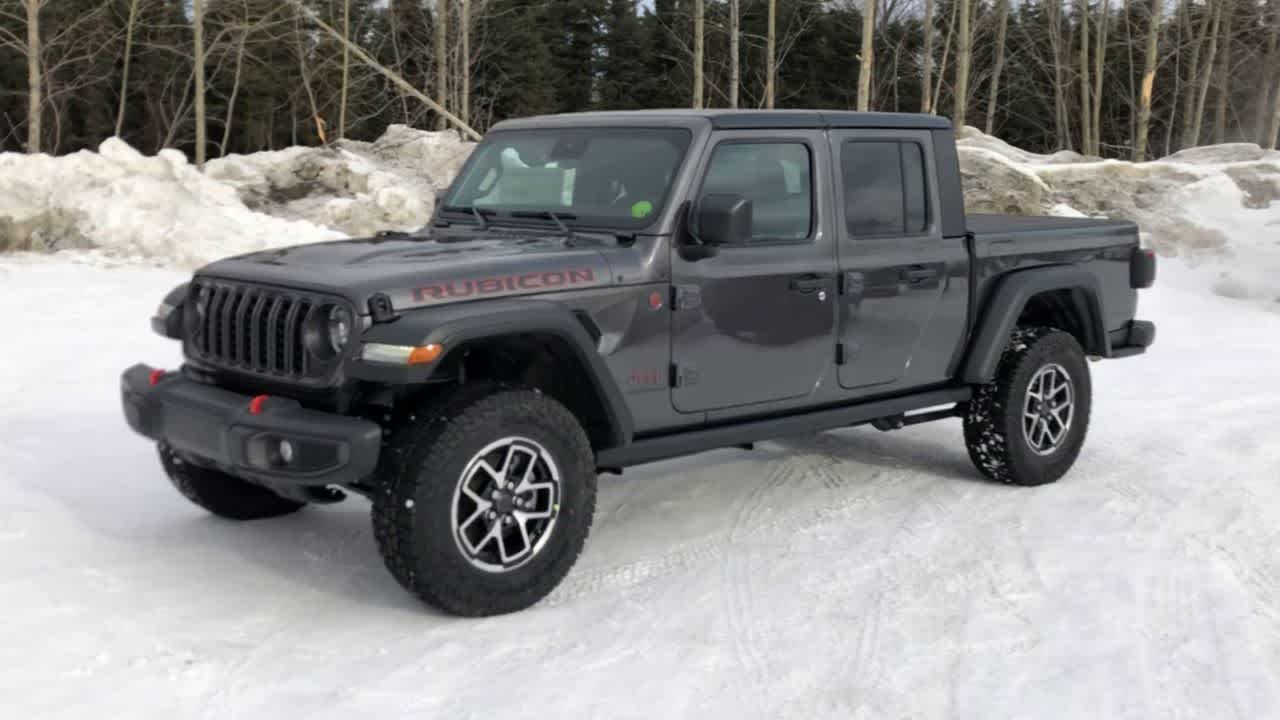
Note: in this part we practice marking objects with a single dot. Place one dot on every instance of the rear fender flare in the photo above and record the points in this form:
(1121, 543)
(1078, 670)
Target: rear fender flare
(1007, 301)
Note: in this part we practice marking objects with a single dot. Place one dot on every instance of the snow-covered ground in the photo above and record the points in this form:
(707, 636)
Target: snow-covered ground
(853, 574)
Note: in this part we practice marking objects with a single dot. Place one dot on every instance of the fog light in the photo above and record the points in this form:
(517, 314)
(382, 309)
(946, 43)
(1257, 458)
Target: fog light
(285, 451)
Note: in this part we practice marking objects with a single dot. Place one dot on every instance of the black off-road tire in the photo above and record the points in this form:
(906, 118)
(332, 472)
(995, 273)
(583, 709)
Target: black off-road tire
(223, 495)
(420, 468)
(993, 430)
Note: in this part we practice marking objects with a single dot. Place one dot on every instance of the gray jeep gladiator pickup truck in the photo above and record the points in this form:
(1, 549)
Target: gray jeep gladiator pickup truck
(596, 291)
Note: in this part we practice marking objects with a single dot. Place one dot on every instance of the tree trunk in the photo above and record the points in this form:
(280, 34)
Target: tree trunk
(699, 24)
(1100, 52)
(1224, 76)
(464, 64)
(442, 60)
(964, 55)
(1001, 32)
(771, 60)
(867, 56)
(1060, 130)
(1197, 117)
(1086, 89)
(231, 101)
(1148, 79)
(346, 69)
(735, 69)
(34, 101)
(926, 86)
(124, 69)
(1269, 77)
(1274, 129)
(1193, 76)
(197, 23)
(946, 51)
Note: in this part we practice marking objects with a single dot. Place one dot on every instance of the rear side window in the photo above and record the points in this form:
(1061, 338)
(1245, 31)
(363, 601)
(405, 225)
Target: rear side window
(885, 192)
(775, 177)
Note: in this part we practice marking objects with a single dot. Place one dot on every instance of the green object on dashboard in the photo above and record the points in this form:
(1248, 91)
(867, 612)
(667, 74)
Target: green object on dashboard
(641, 209)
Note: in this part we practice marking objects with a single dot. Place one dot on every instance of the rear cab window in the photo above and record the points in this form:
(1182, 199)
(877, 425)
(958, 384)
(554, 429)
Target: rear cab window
(885, 188)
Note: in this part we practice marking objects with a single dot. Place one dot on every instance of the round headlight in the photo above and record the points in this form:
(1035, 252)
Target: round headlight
(339, 324)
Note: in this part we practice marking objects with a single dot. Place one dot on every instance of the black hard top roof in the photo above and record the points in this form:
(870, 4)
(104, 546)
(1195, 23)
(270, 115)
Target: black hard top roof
(737, 119)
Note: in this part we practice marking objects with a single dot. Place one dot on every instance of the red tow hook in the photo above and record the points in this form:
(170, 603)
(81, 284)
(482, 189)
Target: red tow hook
(155, 376)
(255, 405)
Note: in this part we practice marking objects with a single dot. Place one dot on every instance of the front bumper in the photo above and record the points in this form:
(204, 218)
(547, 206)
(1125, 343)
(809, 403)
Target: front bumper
(220, 428)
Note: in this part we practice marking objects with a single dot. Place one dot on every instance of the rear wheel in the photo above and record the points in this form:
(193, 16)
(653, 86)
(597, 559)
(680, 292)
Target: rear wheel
(1028, 425)
(485, 501)
(223, 495)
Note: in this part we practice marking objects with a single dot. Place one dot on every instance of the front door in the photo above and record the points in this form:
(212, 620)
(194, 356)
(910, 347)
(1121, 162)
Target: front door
(755, 323)
(902, 284)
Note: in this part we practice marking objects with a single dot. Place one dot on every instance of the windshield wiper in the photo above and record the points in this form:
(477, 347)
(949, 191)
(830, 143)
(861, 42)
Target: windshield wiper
(478, 213)
(557, 218)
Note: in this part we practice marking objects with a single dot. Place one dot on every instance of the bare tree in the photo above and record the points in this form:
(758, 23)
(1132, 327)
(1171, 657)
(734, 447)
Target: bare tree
(699, 39)
(946, 50)
(867, 56)
(442, 58)
(735, 66)
(926, 85)
(1190, 130)
(1148, 80)
(1086, 113)
(197, 27)
(964, 56)
(1224, 75)
(124, 69)
(1001, 31)
(1207, 76)
(1269, 76)
(464, 64)
(1273, 128)
(346, 69)
(35, 105)
(1100, 53)
(771, 59)
(1061, 130)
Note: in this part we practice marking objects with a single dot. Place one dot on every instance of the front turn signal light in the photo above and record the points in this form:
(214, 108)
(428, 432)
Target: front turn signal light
(402, 354)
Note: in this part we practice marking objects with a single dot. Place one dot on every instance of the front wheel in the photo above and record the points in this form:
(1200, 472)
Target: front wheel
(1027, 426)
(485, 501)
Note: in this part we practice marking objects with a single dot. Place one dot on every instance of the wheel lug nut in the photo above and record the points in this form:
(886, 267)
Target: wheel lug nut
(492, 514)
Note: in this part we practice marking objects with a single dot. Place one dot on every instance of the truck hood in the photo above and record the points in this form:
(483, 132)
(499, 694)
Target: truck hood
(419, 271)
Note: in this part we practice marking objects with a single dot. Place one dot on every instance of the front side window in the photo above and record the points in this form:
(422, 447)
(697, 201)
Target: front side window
(591, 176)
(775, 177)
(884, 188)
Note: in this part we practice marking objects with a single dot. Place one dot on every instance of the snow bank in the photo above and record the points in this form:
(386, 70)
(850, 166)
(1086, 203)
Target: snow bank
(1218, 207)
(122, 204)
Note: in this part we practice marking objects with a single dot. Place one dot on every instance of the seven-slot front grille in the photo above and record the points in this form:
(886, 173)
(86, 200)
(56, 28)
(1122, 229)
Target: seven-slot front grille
(251, 328)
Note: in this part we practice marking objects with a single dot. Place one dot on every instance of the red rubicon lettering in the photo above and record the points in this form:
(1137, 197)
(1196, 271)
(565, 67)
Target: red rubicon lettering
(500, 284)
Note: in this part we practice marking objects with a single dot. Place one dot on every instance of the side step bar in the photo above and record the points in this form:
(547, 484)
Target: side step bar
(661, 447)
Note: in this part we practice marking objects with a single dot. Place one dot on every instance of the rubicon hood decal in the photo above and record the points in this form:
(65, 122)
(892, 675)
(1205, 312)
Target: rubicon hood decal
(499, 285)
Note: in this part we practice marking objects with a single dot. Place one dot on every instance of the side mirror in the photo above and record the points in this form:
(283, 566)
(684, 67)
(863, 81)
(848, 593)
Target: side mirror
(723, 219)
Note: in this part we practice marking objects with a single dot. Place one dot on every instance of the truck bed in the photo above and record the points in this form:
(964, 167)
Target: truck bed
(984, 225)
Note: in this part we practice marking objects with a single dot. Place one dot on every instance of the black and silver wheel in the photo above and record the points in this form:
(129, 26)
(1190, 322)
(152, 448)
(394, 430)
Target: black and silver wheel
(505, 505)
(485, 499)
(1027, 426)
(223, 495)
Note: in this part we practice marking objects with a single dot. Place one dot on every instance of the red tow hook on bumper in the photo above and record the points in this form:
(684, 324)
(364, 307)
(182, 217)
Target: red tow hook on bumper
(255, 405)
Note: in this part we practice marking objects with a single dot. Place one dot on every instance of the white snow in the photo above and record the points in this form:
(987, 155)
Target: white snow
(853, 574)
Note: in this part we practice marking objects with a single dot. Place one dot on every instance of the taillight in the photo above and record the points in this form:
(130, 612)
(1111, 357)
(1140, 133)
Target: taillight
(1142, 268)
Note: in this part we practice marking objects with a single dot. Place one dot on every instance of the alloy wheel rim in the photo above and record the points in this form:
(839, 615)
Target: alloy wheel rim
(505, 504)
(1048, 409)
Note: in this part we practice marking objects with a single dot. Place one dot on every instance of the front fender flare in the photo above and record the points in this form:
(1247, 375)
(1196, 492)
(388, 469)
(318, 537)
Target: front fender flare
(1000, 315)
(455, 325)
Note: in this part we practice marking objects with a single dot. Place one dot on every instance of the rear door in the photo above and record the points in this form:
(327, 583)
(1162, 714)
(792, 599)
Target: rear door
(903, 286)
(756, 322)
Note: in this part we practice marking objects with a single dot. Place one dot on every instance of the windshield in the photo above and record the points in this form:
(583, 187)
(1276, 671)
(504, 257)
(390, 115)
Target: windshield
(616, 177)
